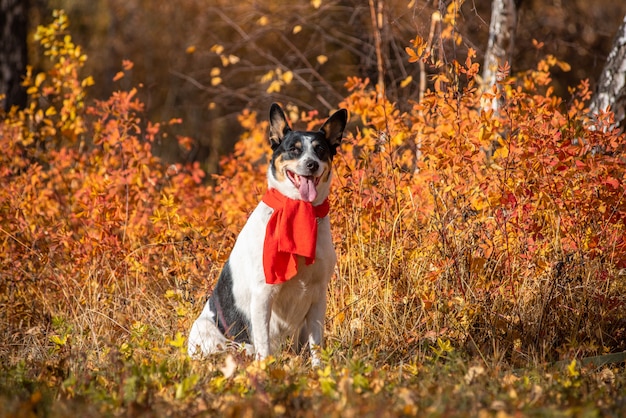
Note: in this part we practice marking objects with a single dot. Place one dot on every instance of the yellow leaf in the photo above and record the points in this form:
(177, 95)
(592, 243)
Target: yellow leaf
(215, 71)
(39, 79)
(126, 350)
(501, 152)
(398, 139)
(190, 49)
(217, 48)
(215, 81)
(406, 81)
(87, 82)
(118, 76)
(59, 340)
(296, 29)
(341, 317)
(182, 311)
(316, 3)
(565, 67)
(274, 87)
(478, 203)
(444, 345)
(321, 59)
(217, 383)
(233, 59)
(263, 21)
(287, 77)
(178, 341)
(571, 369)
(267, 76)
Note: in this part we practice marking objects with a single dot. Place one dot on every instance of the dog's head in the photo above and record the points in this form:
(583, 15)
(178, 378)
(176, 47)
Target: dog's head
(302, 160)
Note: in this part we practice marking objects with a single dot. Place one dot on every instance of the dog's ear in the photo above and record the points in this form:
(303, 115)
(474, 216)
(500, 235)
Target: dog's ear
(333, 128)
(278, 125)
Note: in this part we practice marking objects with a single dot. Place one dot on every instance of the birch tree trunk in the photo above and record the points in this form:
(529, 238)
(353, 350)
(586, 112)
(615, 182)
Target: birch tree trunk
(501, 40)
(13, 52)
(611, 89)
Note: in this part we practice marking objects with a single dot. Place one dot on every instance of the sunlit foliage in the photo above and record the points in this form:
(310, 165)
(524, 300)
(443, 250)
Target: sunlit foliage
(470, 243)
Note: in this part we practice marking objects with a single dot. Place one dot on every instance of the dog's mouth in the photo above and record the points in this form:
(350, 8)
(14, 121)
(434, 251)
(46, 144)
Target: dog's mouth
(306, 185)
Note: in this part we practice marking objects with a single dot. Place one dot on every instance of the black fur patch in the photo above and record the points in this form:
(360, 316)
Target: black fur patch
(230, 320)
(330, 134)
(293, 145)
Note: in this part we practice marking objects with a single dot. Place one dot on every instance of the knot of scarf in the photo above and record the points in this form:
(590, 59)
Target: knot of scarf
(291, 232)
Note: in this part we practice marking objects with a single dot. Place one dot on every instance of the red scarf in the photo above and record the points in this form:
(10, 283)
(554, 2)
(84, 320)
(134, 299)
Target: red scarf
(291, 232)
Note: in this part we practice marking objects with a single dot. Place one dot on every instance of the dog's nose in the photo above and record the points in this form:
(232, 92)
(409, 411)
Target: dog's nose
(312, 165)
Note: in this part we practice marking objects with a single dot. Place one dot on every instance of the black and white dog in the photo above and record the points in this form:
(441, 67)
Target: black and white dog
(274, 282)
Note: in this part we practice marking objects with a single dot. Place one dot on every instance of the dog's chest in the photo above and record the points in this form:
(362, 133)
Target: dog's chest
(292, 299)
(295, 298)
(249, 244)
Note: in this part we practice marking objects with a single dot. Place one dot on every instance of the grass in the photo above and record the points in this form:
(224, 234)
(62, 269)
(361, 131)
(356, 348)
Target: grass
(350, 384)
(117, 347)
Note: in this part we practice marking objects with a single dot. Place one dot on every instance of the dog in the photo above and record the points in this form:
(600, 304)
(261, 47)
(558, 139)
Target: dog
(274, 283)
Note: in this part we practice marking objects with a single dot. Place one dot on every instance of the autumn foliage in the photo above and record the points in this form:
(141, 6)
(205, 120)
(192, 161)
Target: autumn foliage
(492, 232)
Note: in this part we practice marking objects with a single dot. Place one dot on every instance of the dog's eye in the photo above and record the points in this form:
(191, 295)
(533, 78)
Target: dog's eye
(321, 149)
(294, 150)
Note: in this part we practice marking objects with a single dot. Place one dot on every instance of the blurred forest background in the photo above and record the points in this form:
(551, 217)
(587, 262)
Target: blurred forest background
(206, 60)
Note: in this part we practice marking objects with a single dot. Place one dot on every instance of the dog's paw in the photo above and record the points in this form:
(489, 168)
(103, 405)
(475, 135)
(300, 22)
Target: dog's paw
(316, 361)
(205, 339)
(246, 348)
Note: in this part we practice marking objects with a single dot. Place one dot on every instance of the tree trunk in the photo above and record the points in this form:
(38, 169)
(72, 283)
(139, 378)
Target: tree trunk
(501, 40)
(376, 13)
(611, 89)
(13, 52)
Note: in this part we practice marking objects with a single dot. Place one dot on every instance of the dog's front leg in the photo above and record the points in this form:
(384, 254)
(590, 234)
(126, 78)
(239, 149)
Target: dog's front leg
(313, 330)
(261, 314)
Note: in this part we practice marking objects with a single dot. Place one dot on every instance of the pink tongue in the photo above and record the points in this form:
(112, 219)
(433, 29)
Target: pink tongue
(307, 189)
